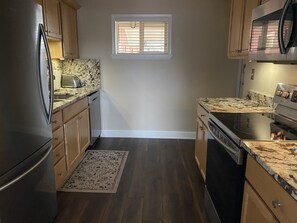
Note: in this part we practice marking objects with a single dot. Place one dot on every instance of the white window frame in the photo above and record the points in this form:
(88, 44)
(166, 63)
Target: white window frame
(141, 17)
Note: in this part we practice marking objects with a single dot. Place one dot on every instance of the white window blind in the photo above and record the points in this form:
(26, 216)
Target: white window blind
(141, 35)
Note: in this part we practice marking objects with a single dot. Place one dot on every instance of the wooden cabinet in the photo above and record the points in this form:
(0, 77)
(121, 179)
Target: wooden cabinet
(240, 25)
(69, 30)
(271, 194)
(201, 139)
(52, 19)
(254, 209)
(84, 130)
(58, 149)
(201, 146)
(71, 141)
(71, 137)
(77, 132)
(60, 172)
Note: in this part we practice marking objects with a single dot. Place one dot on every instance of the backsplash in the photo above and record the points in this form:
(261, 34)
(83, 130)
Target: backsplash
(87, 70)
(262, 99)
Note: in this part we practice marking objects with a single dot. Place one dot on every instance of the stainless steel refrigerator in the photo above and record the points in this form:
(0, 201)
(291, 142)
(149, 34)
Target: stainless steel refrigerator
(27, 184)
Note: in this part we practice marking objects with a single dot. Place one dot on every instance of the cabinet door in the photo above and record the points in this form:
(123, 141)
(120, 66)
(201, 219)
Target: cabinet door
(254, 209)
(71, 142)
(201, 146)
(247, 19)
(51, 10)
(69, 29)
(84, 130)
(235, 29)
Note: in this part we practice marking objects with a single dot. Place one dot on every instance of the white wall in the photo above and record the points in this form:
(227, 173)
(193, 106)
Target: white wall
(267, 75)
(143, 96)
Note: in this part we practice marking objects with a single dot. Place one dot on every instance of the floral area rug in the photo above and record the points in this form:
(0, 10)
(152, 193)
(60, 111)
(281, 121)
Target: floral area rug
(99, 171)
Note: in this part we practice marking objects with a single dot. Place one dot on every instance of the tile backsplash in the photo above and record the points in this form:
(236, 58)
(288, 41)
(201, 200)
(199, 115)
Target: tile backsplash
(87, 70)
(262, 99)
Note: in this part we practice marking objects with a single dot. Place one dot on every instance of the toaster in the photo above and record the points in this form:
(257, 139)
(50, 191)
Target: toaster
(70, 81)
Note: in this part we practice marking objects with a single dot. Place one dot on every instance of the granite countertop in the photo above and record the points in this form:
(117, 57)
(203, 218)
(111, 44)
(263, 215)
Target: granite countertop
(78, 93)
(233, 105)
(278, 159)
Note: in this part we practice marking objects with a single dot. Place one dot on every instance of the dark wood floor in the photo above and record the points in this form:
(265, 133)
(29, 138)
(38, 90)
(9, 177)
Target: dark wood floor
(160, 183)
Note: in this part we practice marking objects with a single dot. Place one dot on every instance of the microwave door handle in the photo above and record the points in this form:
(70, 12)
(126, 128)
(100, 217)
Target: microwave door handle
(283, 49)
(48, 111)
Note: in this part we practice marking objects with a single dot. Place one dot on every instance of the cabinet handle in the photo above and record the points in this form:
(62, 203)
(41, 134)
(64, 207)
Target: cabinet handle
(276, 204)
(201, 127)
(57, 155)
(54, 122)
(56, 139)
(59, 174)
(202, 115)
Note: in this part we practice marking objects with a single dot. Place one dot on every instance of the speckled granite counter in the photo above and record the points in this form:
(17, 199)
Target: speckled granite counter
(232, 105)
(78, 93)
(277, 158)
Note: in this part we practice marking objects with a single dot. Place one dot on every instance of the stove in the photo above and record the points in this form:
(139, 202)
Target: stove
(255, 126)
(226, 159)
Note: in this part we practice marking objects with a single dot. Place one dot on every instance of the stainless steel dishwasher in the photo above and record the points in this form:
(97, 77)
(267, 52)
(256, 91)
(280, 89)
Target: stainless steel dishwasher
(95, 117)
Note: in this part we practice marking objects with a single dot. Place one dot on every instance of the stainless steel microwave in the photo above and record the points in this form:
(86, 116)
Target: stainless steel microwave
(273, 32)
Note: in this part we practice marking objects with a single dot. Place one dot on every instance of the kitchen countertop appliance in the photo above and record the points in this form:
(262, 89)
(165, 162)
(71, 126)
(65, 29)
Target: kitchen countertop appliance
(274, 32)
(71, 81)
(226, 158)
(27, 182)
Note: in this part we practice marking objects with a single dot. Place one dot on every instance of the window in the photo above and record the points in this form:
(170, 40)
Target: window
(141, 36)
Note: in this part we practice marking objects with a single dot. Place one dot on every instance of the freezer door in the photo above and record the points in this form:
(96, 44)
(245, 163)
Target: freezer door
(30, 196)
(25, 86)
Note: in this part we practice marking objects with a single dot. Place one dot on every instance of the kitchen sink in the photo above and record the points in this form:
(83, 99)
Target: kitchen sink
(62, 96)
(58, 100)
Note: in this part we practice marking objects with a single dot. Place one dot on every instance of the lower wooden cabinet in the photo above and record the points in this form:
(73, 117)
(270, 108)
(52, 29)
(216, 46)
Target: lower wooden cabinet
(201, 146)
(71, 137)
(71, 142)
(264, 199)
(254, 209)
(77, 137)
(84, 130)
(60, 172)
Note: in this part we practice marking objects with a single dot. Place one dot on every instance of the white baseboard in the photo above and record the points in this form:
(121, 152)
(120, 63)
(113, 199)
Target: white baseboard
(147, 134)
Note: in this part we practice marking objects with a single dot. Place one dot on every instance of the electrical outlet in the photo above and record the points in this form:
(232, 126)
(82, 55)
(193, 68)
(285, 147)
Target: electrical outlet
(253, 74)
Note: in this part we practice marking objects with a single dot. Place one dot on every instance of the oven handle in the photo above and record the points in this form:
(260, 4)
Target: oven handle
(234, 152)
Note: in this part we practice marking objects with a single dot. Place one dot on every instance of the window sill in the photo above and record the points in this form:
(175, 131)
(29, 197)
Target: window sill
(141, 56)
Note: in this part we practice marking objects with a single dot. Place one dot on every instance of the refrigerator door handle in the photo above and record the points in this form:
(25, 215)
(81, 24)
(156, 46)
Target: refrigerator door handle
(48, 105)
(27, 172)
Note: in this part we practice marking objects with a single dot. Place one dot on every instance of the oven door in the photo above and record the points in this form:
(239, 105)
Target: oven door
(224, 177)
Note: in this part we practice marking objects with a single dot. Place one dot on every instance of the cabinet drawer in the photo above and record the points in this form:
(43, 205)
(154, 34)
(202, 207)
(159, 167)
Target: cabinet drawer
(59, 152)
(271, 192)
(202, 114)
(57, 120)
(58, 136)
(60, 172)
(72, 110)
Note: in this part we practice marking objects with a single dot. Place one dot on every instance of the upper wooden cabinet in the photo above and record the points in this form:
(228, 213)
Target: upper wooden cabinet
(240, 25)
(52, 19)
(69, 30)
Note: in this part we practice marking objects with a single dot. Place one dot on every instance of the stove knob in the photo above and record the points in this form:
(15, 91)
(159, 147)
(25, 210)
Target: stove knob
(278, 92)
